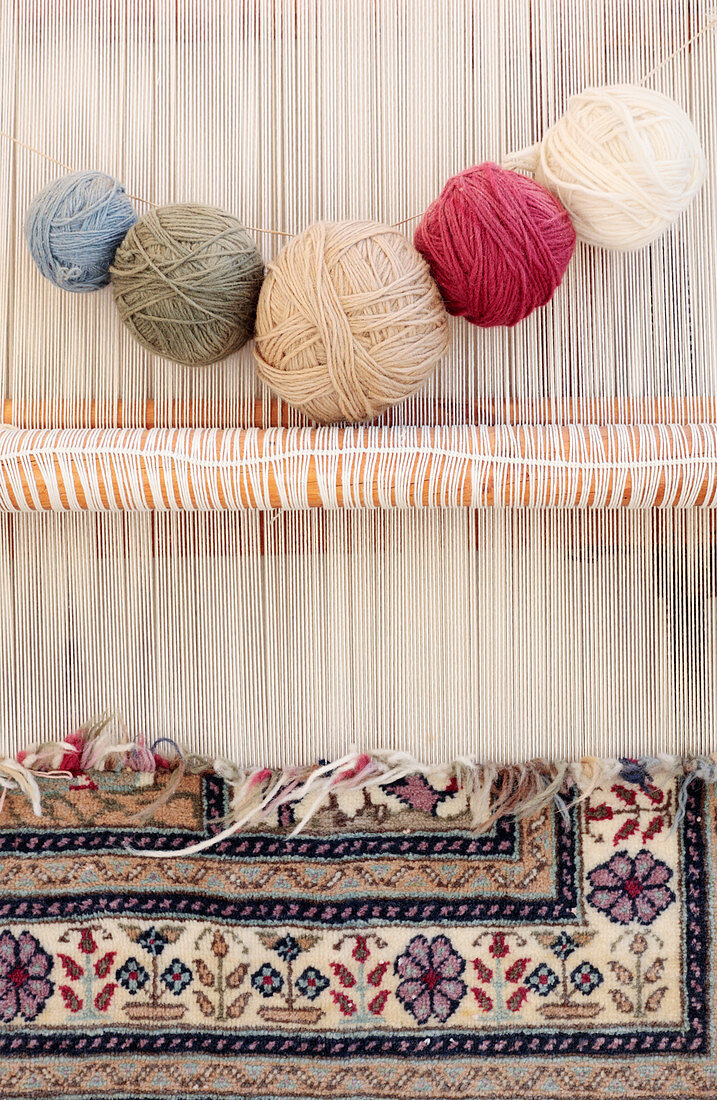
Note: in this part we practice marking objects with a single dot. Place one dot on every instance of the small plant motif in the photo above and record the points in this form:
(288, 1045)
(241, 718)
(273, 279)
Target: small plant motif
(643, 807)
(569, 985)
(502, 972)
(219, 999)
(270, 982)
(638, 995)
(134, 977)
(90, 994)
(367, 999)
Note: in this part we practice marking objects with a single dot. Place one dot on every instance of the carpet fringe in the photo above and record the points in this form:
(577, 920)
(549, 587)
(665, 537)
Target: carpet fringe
(493, 791)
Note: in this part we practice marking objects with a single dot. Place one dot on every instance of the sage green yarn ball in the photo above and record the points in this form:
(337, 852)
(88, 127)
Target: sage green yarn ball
(186, 280)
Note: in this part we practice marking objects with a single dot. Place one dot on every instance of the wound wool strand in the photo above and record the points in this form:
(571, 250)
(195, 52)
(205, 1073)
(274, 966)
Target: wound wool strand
(497, 245)
(185, 281)
(74, 226)
(625, 161)
(349, 321)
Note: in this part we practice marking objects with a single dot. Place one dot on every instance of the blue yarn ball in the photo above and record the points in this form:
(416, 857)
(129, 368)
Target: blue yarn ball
(74, 226)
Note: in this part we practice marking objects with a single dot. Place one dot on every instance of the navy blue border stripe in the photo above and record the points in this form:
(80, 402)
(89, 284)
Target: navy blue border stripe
(416, 910)
(501, 842)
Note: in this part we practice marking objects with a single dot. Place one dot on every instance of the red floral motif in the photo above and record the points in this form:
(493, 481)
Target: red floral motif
(626, 830)
(655, 826)
(368, 999)
(103, 966)
(377, 1004)
(73, 1003)
(601, 812)
(75, 971)
(347, 1006)
(361, 950)
(516, 999)
(498, 946)
(503, 975)
(72, 968)
(483, 972)
(344, 975)
(482, 998)
(103, 998)
(516, 970)
(625, 794)
(88, 943)
(639, 800)
(375, 977)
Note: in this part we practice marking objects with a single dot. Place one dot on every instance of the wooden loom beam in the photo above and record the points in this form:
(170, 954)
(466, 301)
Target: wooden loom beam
(206, 469)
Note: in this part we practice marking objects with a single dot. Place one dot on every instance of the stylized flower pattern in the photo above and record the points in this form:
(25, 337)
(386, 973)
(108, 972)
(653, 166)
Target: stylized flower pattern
(287, 949)
(431, 982)
(176, 977)
(542, 980)
(586, 978)
(267, 980)
(563, 945)
(311, 982)
(517, 973)
(631, 888)
(132, 975)
(24, 983)
(152, 941)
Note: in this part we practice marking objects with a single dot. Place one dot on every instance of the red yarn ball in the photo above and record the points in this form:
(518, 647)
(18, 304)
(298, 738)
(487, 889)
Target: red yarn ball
(497, 244)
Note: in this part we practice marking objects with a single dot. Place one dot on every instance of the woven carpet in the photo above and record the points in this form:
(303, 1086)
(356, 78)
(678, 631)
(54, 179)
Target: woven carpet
(386, 950)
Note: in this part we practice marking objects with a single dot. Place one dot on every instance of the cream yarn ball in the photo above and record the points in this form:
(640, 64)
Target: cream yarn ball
(349, 321)
(624, 161)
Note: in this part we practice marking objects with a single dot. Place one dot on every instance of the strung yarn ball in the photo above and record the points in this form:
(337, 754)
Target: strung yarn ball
(497, 245)
(349, 321)
(73, 227)
(185, 281)
(625, 162)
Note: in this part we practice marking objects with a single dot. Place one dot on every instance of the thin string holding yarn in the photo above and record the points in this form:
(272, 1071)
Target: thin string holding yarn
(136, 198)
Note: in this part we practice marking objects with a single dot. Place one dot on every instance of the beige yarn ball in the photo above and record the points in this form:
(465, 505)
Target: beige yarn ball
(349, 321)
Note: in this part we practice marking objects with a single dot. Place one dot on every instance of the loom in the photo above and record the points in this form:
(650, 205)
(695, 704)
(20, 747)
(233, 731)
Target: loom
(518, 562)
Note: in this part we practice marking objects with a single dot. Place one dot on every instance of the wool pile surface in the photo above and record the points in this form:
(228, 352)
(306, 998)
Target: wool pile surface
(388, 950)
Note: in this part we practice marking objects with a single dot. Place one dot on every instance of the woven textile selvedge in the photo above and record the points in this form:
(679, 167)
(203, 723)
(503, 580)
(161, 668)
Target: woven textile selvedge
(386, 951)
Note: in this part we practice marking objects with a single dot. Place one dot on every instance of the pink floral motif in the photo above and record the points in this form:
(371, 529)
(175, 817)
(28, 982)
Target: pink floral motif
(431, 973)
(24, 985)
(630, 889)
